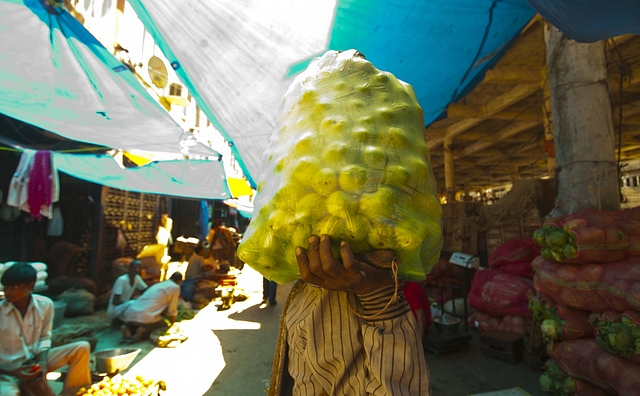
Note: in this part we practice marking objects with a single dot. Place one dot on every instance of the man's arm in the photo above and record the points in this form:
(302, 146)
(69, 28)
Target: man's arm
(319, 268)
(117, 291)
(22, 373)
(172, 307)
(44, 341)
(141, 285)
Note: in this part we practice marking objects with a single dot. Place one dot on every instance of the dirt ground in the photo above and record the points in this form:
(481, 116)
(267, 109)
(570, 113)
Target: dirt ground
(229, 353)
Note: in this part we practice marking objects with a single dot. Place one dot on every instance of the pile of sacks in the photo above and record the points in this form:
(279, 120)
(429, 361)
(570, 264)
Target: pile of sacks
(41, 274)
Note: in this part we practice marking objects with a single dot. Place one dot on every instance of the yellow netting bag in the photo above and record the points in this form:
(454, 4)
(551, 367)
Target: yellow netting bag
(347, 159)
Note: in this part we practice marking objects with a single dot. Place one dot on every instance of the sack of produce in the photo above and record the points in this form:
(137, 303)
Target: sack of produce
(501, 294)
(557, 383)
(619, 333)
(514, 251)
(347, 159)
(511, 324)
(586, 360)
(592, 287)
(591, 236)
(558, 322)
(443, 273)
(79, 302)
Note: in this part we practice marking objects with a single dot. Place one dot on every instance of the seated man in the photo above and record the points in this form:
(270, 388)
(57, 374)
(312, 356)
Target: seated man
(146, 312)
(26, 355)
(123, 289)
(197, 270)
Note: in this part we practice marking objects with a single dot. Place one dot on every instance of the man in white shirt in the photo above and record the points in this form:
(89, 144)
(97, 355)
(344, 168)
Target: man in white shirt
(123, 289)
(25, 340)
(146, 312)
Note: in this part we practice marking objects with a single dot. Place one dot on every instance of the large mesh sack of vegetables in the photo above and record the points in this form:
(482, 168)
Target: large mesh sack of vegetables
(590, 236)
(558, 383)
(347, 159)
(558, 322)
(515, 324)
(515, 257)
(592, 287)
(501, 294)
(618, 333)
(586, 360)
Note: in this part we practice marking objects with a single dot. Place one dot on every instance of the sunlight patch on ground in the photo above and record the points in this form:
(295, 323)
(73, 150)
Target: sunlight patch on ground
(188, 369)
(193, 366)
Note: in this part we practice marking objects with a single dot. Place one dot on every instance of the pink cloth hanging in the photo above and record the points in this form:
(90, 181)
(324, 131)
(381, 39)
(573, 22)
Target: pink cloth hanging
(40, 180)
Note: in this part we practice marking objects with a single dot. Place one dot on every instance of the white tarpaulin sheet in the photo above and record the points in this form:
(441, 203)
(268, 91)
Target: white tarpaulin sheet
(189, 179)
(54, 74)
(238, 57)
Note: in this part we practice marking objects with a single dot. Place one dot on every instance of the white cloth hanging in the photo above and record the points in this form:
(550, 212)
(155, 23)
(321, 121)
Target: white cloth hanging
(18, 193)
(19, 186)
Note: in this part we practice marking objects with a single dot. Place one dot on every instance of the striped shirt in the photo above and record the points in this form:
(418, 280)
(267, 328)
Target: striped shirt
(332, 351)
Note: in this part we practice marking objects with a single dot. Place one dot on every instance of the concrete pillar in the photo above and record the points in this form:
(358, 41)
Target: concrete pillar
(547, 123)
(449, 180)
(584, 138)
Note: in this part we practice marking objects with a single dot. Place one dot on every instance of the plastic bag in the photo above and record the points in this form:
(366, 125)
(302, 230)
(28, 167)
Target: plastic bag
(347, 159)
(591, 236)
(593, 287)
(501, 294)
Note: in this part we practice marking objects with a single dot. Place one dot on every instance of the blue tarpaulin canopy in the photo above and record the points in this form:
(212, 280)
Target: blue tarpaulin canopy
(587, 21)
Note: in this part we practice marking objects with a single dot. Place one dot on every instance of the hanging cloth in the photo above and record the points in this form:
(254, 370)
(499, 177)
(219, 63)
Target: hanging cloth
(40, 180)
(19, 185)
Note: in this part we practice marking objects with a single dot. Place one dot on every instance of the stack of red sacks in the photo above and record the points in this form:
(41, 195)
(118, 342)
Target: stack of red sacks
(588, 303)
(501, 293)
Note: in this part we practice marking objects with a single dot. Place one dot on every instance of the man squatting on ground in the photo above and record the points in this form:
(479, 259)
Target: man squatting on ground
(26, 355)
(147, 312)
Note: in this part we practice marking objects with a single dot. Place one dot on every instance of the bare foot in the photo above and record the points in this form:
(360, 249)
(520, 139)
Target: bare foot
(140, 332)
(126, 333)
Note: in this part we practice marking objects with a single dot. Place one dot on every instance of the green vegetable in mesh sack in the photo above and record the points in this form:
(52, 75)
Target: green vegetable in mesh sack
(555, 381)
(619, 333)
(558, 322)
(585, 359)
(590, 236)
(347, 159)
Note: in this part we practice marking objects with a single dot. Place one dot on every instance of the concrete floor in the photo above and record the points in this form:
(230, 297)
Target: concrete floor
(230, 352)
